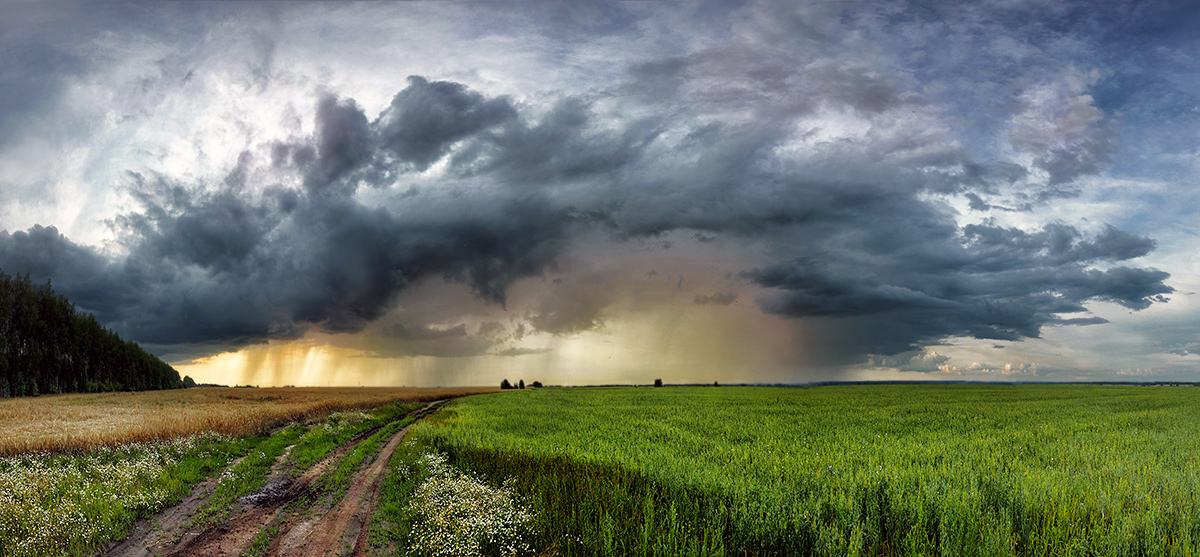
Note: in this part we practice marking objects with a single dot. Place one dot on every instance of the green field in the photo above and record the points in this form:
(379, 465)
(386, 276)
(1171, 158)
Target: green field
(855, 470)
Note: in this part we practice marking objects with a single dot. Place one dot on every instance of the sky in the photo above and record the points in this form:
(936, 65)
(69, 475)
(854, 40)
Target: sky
(454, 193)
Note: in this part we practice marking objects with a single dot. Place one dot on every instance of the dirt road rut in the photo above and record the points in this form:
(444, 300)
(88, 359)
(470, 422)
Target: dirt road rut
(302, 522)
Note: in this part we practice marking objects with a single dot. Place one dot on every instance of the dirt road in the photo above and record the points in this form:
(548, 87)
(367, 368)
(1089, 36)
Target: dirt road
(299, 521)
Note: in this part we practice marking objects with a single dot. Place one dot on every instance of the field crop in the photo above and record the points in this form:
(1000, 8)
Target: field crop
(862, 470)
(85, 421)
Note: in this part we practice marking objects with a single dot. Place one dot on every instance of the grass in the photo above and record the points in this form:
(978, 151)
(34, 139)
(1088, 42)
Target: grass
(340, 427)
(247, 476)
(862, 470)
(262, 540)
(74, 503)
(337, 480)
(433, 509)
(81, 422)
(391, 521)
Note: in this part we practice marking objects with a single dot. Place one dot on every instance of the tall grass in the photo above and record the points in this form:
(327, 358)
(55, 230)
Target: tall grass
(864, 470)
(72, 504)
(80, 422)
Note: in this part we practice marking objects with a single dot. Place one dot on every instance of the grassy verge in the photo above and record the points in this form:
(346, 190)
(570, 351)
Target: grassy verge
(247, 476)
(339, 428)
(879, 470)
(337, 480)
(432, 509)
(391, 522)
(75, 503)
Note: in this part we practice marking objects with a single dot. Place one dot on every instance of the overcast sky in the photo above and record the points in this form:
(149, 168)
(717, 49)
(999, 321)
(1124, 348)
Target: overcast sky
(454, 193)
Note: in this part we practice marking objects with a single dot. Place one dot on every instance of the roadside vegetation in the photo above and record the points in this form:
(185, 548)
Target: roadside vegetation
(426, 507)
(70, 503)
(861, 470)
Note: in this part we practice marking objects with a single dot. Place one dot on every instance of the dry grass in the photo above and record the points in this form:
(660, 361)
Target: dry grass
(84, 421)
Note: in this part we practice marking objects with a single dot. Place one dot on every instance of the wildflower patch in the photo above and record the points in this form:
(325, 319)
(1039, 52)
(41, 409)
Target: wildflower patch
(459, 514)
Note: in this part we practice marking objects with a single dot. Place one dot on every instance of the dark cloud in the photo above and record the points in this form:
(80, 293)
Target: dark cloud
(564, 145)
(224, 265)
(986, 282)
(342, 140)
(32, 79)
(427, 118)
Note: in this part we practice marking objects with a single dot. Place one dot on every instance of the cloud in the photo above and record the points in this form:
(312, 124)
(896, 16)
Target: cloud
(715, 299)
(914, 360)
(1011, 370)
(517, 351)
(982, 281)
(426, 118)
(212, 263)
(233, 263)
(1066, 134)
(826, 141)
(342, 141)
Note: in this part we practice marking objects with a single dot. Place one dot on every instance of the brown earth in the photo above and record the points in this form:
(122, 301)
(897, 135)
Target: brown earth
(327, 528)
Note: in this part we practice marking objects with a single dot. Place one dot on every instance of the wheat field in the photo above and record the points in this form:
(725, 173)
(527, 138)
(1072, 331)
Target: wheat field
(78, 422)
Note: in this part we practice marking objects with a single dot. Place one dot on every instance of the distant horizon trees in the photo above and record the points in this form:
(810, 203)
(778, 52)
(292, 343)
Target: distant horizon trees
(47, 346)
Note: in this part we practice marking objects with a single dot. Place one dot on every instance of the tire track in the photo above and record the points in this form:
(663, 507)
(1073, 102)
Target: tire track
(344, 526)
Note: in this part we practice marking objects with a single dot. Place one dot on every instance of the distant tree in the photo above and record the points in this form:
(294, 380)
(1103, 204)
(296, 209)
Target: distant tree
(505, 385)
(521, 384)
(188, 382)
(536, 384)
(715, 384)
(658, 382)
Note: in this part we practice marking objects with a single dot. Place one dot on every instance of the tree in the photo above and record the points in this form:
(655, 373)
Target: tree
(188, 382)
(536, 384)
(505, 385)
(48, 346)
(658, 382)
(522, 384)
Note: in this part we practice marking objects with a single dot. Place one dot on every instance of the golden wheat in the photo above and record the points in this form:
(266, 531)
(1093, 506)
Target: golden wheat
(84, 421)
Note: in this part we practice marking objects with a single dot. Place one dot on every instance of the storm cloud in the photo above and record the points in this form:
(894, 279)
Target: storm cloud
(899, 193)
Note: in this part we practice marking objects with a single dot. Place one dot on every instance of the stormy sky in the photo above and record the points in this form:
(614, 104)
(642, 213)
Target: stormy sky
(426, 193)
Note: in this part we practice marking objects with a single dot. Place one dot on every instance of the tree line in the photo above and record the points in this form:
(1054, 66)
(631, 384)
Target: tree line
(47, 346)
(505, 385)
